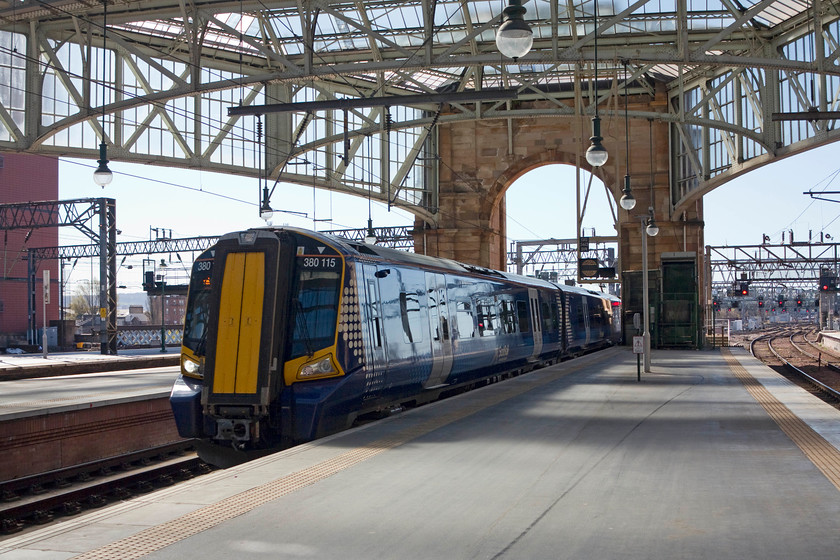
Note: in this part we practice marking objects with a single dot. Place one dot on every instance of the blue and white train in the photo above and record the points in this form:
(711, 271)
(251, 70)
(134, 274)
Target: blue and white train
(291, 335)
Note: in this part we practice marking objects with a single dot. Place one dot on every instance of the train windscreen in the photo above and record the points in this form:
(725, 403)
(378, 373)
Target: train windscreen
(315, 306)
(198, 305)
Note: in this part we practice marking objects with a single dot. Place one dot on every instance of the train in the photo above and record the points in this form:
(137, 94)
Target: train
(290, 335)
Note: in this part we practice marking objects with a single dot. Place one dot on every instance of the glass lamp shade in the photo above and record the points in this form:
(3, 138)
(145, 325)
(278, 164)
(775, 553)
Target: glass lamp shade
(103, 176)
(266, 214)
(628, 201)
(514, 38)
(652, 229)
(596, 154)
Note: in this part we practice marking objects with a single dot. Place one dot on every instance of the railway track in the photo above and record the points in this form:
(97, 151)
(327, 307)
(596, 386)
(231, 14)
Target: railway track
(39, 499)
(804, 362)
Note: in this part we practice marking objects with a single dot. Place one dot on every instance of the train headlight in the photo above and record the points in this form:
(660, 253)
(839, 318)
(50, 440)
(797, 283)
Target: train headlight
(191, 368)
(322, 367)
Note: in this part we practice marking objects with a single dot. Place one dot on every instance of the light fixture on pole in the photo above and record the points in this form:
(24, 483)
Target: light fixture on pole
(514, 37)
(648, 228)
(103, 176)
(628, 201)
(651, 229)
(596, 154)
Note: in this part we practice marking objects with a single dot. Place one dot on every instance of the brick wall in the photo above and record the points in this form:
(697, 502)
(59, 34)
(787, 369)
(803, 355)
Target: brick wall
(26, 178)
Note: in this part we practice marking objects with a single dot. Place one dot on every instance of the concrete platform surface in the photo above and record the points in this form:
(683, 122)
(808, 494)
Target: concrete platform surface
(36, 396)
(27, 366)
(706, 457)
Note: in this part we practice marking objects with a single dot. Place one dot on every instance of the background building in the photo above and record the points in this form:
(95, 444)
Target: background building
(25, 178)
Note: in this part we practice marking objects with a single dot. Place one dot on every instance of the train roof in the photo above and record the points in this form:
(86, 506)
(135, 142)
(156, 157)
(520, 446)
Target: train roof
(358, 248)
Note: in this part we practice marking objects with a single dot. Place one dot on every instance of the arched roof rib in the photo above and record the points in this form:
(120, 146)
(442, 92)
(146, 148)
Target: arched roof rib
(161, 91)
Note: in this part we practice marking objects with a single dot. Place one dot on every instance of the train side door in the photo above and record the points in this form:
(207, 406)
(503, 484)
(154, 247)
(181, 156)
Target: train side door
(376, 357)
(440, 330)
(584, 303)
(534, 302)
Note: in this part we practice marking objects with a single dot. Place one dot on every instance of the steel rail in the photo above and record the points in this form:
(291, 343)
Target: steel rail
(818, 384)
(93, 485)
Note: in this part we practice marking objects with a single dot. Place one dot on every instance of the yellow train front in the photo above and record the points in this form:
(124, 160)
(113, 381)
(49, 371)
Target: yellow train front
(291, 335)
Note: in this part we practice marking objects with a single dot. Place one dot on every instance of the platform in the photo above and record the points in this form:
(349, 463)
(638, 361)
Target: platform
(712, 455)
(58, 422)
(27, 397)
(28, 366)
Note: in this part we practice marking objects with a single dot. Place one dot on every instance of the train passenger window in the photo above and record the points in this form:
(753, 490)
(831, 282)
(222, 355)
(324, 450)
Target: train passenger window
(464, 319)
(410, 315)
(549, 316)
(522, 312)
(487, 317)
(507, 316)
(314, 306)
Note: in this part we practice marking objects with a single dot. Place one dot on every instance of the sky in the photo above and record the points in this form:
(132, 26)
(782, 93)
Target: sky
(541, 204)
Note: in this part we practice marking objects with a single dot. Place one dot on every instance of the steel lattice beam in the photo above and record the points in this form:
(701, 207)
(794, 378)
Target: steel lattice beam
(52, 213)
(392, 237)
(769, 267)
(175, 68)
(127, 248)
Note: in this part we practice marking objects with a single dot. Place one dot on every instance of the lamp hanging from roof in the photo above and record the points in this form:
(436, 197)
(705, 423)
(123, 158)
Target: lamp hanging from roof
(103, 175)
(514, 37)
(266, 212)
(370, 236)
(596, 154)
(628, 201)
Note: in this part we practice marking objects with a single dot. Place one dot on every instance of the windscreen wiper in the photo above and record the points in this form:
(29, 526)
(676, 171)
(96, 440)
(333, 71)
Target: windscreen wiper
(300, 324)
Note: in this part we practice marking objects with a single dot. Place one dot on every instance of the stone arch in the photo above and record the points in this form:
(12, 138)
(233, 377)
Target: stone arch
(496, 192)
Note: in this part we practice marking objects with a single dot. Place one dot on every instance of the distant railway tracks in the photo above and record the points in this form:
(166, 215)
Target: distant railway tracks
(793, 352)
(38, 499)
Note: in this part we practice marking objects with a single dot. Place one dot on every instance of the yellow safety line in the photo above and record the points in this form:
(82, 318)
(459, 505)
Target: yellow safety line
(825, 456)
(165, 534)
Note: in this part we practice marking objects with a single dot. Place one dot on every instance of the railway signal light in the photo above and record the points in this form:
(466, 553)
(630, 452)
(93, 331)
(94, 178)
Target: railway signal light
(745, 289)
(761, 303)
(828, 284)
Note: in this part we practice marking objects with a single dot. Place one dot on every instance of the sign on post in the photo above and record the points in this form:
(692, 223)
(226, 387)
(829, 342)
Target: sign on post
(638, 345)
(638, 349)
(46, 287)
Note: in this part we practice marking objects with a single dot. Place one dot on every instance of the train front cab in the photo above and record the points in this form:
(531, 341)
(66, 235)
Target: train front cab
(243, 360)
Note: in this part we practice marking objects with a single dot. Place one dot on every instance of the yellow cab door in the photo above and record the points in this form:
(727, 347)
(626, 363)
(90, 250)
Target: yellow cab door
(243, 332)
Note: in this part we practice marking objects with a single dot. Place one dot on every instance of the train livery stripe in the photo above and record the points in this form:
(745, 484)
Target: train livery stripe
(240, 313)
